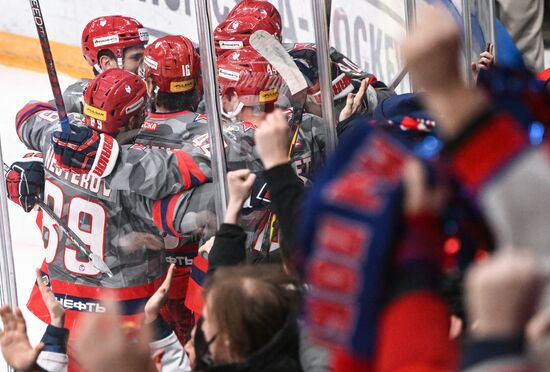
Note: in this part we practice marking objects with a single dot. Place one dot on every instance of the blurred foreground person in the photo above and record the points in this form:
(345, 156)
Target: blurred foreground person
(472, 121)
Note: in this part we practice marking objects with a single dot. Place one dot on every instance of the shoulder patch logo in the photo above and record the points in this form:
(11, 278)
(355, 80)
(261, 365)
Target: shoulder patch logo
(200, 117)
(248, 126)
(149, 125)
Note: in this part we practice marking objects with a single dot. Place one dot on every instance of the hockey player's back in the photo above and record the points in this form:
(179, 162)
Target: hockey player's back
(113, 224)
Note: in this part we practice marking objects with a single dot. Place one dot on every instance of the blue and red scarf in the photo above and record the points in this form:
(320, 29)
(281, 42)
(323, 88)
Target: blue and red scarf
(349, 230)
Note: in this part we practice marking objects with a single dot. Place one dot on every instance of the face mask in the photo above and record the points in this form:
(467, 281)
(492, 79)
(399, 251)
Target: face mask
(202, 348)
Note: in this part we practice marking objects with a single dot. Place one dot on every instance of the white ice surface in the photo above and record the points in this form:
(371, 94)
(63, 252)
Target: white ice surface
(19, 87)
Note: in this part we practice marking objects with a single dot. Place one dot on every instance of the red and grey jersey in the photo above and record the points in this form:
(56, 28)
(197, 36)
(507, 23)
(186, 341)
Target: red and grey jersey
(188, 131)
(186, 134)
(308, 154)
(116, 225)
(73, 96)
(172, 154)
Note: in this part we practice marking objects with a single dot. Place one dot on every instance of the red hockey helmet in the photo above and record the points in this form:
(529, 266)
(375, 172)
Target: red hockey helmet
(249, 74)
(114, 33)
(234, 33)
(173, 63)
(112, 99)
(257, 8)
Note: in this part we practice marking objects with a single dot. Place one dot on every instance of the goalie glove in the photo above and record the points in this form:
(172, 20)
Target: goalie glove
(25, 181)
(85, 151)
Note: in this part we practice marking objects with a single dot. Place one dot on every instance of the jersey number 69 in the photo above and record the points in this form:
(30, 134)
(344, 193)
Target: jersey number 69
(92, 232)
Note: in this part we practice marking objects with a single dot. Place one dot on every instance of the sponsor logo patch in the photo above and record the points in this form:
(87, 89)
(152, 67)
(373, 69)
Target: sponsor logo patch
(230, 45)
(106, 40)
(143, 34)
(228, 74)
(269, 95)
(151, 63)
(95, 113)
(181, 86)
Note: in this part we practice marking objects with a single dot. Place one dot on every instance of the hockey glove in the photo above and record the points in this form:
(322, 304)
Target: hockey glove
(85, 151)
(259, 194)
(25, 181)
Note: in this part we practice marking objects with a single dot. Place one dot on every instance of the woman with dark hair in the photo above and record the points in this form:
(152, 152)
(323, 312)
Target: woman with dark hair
(249, 321)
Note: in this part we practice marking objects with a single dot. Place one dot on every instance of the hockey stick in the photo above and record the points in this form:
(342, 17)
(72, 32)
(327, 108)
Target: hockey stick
(273, 51)
(399, 78)
(50, 66)
(96, 261)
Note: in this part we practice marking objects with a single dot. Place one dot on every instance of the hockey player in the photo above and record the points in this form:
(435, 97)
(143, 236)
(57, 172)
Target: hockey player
(172, 74)
(118, 226)
(246, 18)
(114, 41)
(171, 71)
(346, 78)
(246, 82)
(108, 42)
(250, 16)
(250, 89)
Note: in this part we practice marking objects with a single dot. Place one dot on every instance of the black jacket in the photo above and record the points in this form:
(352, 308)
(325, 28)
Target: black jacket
(281, 354)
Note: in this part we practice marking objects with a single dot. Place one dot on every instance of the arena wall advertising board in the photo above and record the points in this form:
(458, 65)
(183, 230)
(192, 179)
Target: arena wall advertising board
(65, 19)
(367, 31)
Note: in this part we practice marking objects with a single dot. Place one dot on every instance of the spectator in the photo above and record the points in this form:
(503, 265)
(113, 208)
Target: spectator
(50, 353)
(228, 247)
(120, 343)
(465, 119)
(124, 348)
(250, 320)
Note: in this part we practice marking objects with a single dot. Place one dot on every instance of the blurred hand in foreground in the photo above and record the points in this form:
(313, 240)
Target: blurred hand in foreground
(501, 294)
(273, 139)
(16, 348)
(158, 299)
(106, 343)
(432, 57)
(57, 312)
